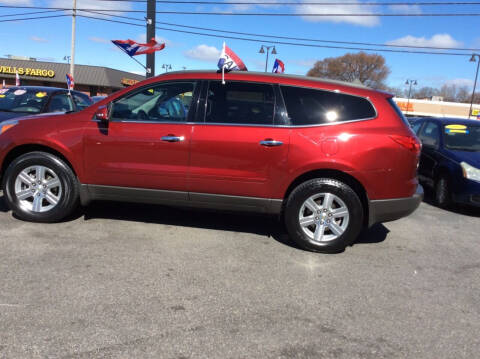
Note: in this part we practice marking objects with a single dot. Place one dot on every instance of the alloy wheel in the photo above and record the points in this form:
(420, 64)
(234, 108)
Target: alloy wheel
(323, 217)
(38, 189)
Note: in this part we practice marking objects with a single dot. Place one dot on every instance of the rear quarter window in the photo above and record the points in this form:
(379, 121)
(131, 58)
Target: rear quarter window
(315, 107)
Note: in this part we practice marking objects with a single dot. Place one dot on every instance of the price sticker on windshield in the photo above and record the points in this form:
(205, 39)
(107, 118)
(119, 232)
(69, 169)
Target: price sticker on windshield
(19, 92)
(456, 129)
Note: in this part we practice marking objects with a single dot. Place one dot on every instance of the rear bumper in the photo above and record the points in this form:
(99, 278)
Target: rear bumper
(385, 210)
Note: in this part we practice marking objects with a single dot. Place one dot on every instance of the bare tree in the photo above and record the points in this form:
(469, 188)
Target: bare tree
(425, 93)
(369, 69)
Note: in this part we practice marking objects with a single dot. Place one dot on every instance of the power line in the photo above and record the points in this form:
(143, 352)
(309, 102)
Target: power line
(259, 13)
(30, 13)
(200, 2)
(293, 38)
(33, 18)
(282, 42)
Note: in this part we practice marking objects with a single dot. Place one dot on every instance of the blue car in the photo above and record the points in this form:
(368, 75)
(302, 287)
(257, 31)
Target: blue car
(450, 159)
(32, 100)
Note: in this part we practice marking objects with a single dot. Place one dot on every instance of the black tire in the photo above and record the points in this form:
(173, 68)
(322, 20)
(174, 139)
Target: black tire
(442, 192)
(316, 186)
(68, 199)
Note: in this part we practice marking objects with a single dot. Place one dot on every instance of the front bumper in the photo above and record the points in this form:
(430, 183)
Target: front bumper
(467, 192)
(386, 210)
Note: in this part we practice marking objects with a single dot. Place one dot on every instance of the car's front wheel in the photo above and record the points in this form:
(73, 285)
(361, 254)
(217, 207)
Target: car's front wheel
(323, 215)
(442, 192)
(40, 187)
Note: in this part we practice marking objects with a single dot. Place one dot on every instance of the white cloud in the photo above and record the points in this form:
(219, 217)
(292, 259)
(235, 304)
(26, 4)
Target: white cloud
(460, 82)
(368, 21)
(16, 2)
(437, 40)
(406, 9)
(304, 62)
(38, 39)
(94, 5)
(100, 40)
(204, 53)
(244, 7)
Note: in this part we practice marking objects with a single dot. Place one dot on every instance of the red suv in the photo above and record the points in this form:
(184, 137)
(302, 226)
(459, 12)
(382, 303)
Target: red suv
(330, 158)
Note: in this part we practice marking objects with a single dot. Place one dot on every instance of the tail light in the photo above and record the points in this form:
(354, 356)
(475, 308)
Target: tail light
(409, 142)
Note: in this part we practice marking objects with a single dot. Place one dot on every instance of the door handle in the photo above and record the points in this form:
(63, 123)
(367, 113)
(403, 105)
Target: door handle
(270, 143)
(171, 138)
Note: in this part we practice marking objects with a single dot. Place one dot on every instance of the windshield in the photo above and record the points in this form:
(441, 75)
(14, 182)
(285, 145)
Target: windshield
(462, 137)
(22, 100)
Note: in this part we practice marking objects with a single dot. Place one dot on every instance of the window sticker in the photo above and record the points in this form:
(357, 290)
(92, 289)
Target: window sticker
(19, 92)
(456, 129)
(41, 94)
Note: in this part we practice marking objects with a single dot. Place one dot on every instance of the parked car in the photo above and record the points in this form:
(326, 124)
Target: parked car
(97, 98)
(29, 100)
(329, 158)
(450, 159)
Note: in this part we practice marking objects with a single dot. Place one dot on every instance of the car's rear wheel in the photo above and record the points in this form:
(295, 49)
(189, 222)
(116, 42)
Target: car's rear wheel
(442, 192)
(323, 215)
(40, 187)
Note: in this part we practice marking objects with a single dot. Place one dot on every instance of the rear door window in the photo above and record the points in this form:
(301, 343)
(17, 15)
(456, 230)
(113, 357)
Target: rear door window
(316, 107)
(60, 103)
(81, 101)
(240, 103)
(416, 126)
(430, 134)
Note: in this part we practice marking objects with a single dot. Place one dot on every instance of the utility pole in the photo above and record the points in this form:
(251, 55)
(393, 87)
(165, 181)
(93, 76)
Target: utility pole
(72, 52)
(472, 59)
(151, 12)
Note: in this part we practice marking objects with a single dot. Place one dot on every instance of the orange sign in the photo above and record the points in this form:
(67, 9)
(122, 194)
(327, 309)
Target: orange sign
(128, 82)
(405, 106)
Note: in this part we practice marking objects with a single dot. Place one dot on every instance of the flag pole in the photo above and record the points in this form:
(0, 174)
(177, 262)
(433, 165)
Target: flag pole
(134, 59)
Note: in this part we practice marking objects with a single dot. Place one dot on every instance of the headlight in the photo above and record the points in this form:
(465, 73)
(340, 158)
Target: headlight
(4, 126)
(470, 172)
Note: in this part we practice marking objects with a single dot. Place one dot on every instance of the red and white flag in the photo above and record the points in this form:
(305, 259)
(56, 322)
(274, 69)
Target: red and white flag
(133, 48)
(70, 82)
(17, 79)
(278, 67)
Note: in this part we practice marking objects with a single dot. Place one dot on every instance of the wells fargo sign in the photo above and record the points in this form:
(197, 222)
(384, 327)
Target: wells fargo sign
(27, 71)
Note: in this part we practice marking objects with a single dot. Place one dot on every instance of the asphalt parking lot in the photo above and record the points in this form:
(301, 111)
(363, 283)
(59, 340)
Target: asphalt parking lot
(135, 281)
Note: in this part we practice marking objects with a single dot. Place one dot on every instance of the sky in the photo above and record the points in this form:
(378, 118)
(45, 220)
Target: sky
(50, 38)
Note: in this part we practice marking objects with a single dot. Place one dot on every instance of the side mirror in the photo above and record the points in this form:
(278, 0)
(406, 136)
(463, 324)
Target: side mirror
(102, 114)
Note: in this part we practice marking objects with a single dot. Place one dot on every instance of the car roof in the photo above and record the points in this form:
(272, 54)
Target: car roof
(41, 88)
(449, 120)
(272, 75)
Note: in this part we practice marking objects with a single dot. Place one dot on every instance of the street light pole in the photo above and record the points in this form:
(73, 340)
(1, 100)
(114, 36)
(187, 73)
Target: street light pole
(166, 67)
(262, 51)
(72, 54)
(472, 59)
(411, 83)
